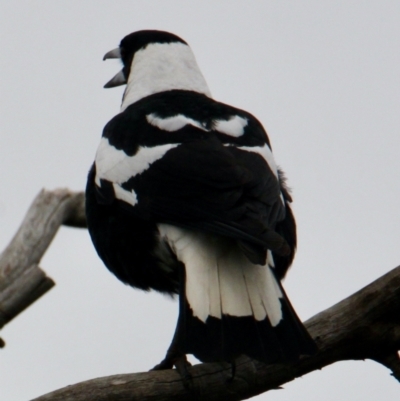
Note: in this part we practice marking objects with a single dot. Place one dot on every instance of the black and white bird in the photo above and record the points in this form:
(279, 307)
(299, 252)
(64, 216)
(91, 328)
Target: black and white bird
(184, 197)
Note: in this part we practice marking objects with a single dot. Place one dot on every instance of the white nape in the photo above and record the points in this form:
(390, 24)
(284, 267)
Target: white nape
(161, 67)
(173, 123)
(117, 167)
(221, 280)
(232, 127)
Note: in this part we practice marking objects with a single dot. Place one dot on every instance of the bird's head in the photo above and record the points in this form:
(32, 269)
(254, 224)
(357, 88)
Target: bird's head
(153, 62)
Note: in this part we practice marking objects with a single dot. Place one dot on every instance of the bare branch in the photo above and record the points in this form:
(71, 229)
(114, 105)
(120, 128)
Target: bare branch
(364, 325)
(21, 280)
(23, 291)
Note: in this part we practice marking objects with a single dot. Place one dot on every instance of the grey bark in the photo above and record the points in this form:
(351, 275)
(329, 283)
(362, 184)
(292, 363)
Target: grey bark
(365, 325)
(22, 282)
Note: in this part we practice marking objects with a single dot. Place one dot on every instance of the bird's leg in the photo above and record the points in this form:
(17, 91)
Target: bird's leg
(175, 357)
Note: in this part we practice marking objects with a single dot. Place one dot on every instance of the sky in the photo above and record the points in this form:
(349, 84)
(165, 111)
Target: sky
(322, 77)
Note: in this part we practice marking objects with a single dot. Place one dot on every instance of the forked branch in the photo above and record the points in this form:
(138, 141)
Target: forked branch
(22, 282)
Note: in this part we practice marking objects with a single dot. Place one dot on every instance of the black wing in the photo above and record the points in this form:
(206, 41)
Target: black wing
(200, 182)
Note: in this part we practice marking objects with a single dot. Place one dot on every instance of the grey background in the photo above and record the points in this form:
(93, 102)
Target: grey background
(323, 77)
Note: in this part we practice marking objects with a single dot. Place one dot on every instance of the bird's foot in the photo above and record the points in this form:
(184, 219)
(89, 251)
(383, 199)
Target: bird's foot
(181, 364)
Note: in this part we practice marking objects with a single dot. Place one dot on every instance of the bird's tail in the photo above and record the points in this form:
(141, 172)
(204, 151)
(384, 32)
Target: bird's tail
(230, 307)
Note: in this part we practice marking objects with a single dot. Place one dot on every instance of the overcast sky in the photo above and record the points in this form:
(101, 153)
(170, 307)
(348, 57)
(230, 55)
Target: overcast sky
(324, 79)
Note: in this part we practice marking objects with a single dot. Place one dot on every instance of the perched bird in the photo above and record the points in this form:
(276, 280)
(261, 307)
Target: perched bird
(184, 197)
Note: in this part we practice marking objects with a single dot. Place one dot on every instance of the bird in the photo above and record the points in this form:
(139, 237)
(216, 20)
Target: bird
(185, 198)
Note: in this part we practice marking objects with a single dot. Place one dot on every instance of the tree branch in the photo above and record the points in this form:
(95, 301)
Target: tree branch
(21, 280)
(364, 325)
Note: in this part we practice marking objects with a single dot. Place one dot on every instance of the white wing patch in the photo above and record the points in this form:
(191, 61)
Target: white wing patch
(174, 123)
(125, 195)
(116, 166)
(234, 126)
(221, 280)
(266, 153)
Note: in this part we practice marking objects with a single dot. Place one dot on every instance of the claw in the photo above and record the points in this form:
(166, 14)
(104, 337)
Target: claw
(181, 364)
(163, 365)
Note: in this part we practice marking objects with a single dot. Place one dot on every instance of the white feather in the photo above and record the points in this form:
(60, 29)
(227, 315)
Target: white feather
(234, 290)
(116, 166)
(234, 126)
(270, 259)
(221, 280)
(161, 67)
(266, 153)
(174, 123)
(125, 195)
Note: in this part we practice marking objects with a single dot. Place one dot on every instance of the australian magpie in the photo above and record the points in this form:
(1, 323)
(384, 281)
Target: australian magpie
(184, 197)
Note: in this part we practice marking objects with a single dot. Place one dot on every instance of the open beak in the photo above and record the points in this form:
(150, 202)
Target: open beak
(115, 53)
(119, 79)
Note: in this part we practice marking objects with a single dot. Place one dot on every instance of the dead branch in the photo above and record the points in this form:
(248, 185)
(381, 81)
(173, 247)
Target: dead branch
(22, 282)
(365, 325)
